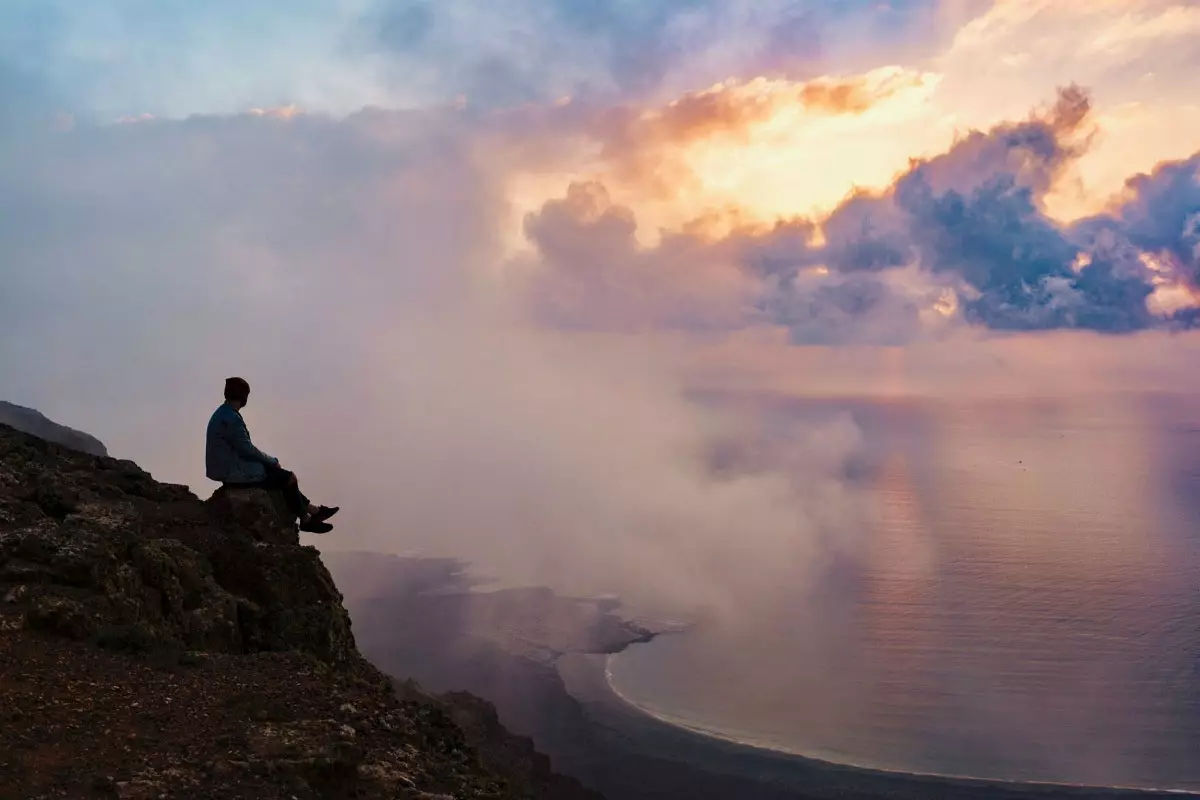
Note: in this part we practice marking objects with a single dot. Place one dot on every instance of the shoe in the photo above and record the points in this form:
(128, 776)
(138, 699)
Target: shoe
(323, 513)
(314, 526)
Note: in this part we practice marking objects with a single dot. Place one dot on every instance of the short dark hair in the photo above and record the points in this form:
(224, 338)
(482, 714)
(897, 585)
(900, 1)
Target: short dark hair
(237, 389)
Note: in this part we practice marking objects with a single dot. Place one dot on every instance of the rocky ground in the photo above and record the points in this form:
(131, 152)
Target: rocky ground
(154, 646)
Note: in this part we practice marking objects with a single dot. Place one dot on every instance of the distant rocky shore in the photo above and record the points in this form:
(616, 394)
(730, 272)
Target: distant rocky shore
(35, 423)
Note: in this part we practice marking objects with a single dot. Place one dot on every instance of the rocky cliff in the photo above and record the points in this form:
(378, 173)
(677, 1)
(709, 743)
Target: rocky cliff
(153, 645)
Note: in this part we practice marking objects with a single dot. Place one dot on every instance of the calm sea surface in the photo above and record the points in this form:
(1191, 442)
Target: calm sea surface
(1025, 605)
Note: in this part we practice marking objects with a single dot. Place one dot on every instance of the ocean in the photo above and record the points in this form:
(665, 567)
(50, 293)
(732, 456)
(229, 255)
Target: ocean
(1023, 603)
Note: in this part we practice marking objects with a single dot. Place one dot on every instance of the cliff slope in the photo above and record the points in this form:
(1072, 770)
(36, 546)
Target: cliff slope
(153, 645)
(34, 422)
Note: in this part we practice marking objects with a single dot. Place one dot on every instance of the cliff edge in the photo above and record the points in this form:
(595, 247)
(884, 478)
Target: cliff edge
(156, 646)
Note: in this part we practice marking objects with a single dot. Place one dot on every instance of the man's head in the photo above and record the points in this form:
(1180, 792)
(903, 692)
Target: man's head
(237, 392)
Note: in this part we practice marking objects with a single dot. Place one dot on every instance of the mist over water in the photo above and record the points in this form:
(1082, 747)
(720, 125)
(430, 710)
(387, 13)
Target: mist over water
(1023, 604)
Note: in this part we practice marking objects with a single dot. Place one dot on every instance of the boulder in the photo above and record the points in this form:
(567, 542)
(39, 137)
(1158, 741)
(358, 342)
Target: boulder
(97, 549)
(260, 513)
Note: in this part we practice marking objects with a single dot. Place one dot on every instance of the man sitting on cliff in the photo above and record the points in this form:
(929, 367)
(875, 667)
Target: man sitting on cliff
(232, 459)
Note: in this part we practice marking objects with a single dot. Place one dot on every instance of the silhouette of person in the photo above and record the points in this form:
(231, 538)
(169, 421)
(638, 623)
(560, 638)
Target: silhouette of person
(232, 459)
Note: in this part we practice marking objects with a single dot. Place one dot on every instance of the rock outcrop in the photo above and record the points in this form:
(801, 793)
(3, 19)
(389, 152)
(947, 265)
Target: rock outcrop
(36, 424)
(153, 645)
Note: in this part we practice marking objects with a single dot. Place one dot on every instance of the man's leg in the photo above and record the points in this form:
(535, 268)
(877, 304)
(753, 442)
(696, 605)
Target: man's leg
(285, 481)
(312, 518)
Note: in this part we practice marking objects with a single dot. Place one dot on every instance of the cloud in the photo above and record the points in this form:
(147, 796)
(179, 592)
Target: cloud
(974, 212)
(1134, 56)
(962, 236)
(977, 213)
(1161, 215)
(851, 309)
(351, 270)
(1026, 271)
(593, 274)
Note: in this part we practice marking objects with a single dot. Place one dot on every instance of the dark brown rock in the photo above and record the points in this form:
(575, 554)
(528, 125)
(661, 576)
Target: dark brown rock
(262, 514)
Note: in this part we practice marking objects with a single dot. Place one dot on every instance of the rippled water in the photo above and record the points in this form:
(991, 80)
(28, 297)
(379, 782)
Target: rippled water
(1025, 605)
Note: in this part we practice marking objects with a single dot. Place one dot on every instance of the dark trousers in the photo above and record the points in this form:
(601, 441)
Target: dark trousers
(283, 481)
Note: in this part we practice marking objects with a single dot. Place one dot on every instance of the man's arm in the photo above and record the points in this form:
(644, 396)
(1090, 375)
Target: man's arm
(239, 438)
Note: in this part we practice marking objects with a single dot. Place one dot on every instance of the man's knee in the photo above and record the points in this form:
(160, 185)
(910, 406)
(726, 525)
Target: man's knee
(280, 478)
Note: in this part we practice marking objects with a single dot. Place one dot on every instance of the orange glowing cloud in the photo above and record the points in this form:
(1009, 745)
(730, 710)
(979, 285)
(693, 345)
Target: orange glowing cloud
(752, 151)
(733, 108)
(849, 95)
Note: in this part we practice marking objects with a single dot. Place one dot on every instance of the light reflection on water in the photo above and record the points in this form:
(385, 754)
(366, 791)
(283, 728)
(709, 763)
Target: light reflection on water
(1025, 607)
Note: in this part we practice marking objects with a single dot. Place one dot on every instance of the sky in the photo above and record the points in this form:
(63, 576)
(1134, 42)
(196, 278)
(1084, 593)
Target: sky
(499, 249)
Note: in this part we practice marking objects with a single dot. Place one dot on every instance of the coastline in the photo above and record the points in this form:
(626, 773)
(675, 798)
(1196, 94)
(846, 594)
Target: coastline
(813, 775)
(747, 740)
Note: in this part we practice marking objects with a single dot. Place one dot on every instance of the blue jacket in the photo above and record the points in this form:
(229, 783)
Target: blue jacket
(229, 455)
